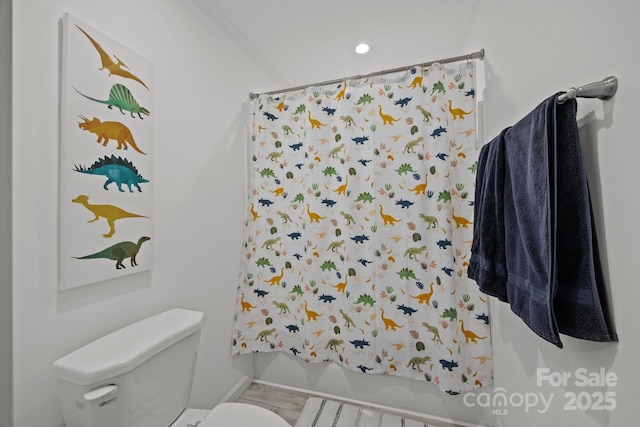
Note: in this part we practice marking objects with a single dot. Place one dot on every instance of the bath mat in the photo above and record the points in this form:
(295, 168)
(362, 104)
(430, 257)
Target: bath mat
(319, 412)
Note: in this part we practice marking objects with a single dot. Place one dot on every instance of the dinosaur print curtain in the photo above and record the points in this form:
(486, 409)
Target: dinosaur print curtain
(359, 230)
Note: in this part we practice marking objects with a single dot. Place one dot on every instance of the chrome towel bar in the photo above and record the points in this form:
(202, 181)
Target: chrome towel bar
(604, 89)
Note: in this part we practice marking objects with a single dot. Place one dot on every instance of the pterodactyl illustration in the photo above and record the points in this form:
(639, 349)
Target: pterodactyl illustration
(109, 65)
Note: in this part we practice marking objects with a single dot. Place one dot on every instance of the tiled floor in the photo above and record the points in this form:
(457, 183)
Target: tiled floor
(286, 403)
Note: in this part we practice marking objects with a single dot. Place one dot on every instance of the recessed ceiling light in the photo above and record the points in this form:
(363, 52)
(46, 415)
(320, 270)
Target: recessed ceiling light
(362, 48)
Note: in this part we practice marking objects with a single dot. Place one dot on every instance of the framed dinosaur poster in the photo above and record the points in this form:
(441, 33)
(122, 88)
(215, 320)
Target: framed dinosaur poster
(106, 141)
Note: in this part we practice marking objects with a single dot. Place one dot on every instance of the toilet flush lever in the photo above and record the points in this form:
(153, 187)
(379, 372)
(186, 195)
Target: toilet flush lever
(100, 392)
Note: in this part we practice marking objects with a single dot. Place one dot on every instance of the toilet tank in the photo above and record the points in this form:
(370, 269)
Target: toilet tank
(138, 376)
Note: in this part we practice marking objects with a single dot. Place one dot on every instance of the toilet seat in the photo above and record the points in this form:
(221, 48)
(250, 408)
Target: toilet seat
(233, 414)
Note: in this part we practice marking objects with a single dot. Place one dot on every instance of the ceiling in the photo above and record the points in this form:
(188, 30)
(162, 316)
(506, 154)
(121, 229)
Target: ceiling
(286, 38)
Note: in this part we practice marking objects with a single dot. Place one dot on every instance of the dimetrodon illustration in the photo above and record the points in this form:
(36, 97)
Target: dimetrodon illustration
(109, 212)
(109, 130)
(119, 252)
(120, 97)
(116, 169)
(108, 63)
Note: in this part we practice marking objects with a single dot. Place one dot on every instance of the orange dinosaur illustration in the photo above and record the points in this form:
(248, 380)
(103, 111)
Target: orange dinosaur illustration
(386, 119)
(109, 130)
(341, 94)
(275, 280)
(254, 213)
(340, 286)
(109, 65)
(109, 212)
(421, 188)
(417, 82)
(278, 191)
(342, 189)
(460, 221)
(426, 297)
(469, 335)
(458, 112)
(388, 219)
(314, 122)
(246, 306)
(388, 323)
(311, 315)
(313, 216)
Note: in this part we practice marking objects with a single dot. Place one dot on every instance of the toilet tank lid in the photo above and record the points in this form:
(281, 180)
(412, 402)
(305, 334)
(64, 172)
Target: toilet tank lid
(123, 350)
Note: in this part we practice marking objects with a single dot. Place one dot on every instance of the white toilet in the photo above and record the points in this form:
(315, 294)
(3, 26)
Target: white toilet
(141, 376)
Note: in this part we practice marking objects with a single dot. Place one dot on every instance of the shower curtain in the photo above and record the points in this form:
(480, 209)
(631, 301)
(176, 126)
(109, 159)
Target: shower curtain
(359, 229)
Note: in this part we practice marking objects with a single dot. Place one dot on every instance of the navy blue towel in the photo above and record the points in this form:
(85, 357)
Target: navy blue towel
(534, 244)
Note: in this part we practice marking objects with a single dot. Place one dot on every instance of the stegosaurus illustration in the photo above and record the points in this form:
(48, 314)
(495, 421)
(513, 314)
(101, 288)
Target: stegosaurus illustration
(116, 169)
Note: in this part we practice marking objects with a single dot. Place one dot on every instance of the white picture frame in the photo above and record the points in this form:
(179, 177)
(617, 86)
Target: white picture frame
(106, 162)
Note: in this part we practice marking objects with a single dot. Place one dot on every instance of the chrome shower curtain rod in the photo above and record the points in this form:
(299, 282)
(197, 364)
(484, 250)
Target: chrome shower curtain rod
(471, 56)
(604, 89)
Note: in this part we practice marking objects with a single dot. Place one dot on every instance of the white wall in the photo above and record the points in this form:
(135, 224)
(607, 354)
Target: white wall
(202, 78)
(5, 213)
(198, 202)
(541, 48)
(533, 49)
